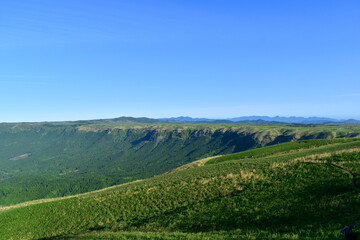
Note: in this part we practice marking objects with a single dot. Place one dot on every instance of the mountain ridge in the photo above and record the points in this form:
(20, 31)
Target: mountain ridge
(267, 119)
(69, 158)
(187, 119)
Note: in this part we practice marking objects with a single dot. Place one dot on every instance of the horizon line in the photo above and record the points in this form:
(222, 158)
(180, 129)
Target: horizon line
(169, 118)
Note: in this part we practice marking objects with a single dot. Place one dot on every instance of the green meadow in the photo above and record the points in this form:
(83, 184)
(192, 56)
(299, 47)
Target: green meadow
(298, 190)
(49, 160)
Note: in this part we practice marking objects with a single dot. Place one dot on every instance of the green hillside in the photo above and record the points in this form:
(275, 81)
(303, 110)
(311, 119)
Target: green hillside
(46, 160)
(297, 190)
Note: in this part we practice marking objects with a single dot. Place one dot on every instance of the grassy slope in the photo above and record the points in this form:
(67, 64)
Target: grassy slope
(69, 159)
(283, 194)
(279, 148)
(74, 157)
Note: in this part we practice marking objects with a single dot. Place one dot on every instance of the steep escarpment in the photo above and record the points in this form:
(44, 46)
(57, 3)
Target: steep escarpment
(69, 158)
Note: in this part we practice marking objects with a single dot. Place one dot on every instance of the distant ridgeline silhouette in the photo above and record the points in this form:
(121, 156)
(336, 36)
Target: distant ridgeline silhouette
(266, 119)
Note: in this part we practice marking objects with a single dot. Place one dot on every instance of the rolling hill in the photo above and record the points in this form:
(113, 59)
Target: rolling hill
(46, 160)
(299, 190)
(268, 120)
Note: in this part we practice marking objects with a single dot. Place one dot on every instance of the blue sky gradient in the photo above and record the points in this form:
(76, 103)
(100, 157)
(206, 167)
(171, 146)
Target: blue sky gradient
(87, 59)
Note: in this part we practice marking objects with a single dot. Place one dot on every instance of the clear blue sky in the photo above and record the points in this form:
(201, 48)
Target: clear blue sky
(86, 59)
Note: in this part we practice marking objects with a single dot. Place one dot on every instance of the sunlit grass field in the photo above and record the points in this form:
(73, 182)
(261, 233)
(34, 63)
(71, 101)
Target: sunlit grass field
(57, 159)
(298, 190)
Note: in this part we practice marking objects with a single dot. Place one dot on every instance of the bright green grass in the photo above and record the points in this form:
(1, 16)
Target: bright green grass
(157, 236)
(280, 149)
(271, 197)
(69, 158)
(238, 235)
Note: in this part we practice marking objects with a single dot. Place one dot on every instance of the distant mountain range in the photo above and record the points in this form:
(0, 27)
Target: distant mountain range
(265, 119)
(247, 119)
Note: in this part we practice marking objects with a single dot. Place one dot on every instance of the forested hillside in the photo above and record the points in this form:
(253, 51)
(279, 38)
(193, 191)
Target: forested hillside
(298, 190)
(43, 160)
